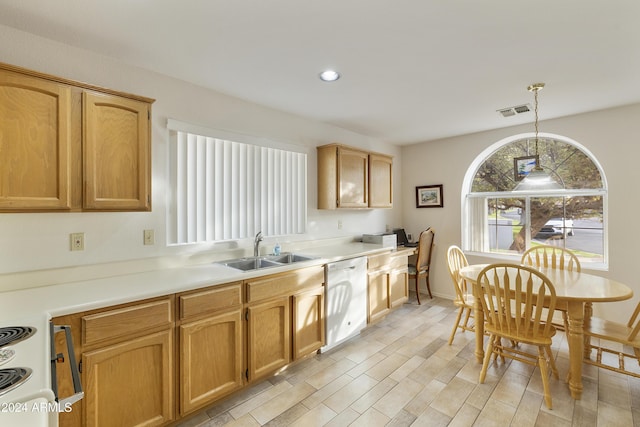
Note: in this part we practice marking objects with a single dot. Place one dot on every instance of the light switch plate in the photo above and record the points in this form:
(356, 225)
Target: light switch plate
(149, 237)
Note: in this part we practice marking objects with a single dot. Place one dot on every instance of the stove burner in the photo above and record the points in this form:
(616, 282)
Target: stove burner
(13, 334)
(11, 378)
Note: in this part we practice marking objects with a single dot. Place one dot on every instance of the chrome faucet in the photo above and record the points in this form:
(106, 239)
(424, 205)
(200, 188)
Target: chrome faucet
(256, 244)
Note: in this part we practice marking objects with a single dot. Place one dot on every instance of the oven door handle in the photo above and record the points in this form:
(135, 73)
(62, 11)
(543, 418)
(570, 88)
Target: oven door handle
(75, 373)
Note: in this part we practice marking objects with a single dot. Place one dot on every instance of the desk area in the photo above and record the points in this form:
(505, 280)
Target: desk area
(576, 289)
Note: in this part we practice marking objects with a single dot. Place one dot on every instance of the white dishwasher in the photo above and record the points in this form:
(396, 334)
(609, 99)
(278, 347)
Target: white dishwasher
(345, 300)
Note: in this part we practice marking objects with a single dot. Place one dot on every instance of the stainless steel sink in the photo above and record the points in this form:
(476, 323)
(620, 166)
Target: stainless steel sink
(288, 258)
(247, 264)
(256, 263)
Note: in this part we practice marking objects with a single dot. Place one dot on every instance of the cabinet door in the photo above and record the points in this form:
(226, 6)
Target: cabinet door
(378, 295)
(211, 359)
(131, 383)
(35, 143)
(353, 181)
(117, 153)
(308, 322)
(398, 287)
(380, 181)
(269, 337)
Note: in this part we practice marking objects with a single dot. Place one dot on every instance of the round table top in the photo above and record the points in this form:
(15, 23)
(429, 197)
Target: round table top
(571, 285)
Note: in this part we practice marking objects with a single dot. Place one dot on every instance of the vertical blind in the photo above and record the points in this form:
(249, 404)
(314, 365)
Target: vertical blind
(222, 190)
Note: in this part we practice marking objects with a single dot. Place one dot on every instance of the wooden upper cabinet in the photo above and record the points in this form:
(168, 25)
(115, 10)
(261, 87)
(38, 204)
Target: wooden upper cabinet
(353, 172)
(35, 143)
(116, 147)
(380, 181)
(353, 178)
(70, 146)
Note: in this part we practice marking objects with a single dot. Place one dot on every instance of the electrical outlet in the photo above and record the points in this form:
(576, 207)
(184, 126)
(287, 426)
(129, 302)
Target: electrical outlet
(77, 241)
(339, 224)
(149, 238)
(410, 237)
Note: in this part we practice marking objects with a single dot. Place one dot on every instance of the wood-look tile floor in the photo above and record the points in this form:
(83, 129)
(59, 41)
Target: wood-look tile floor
(401, 372)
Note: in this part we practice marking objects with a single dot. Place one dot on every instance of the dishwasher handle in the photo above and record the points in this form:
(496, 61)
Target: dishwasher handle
(78, 393)
(347, 265)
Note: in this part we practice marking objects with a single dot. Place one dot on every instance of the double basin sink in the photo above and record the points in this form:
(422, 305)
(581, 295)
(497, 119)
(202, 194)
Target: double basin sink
(259, 262)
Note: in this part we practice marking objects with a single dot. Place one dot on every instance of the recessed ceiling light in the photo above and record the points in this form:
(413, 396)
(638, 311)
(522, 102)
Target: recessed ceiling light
(329, 76)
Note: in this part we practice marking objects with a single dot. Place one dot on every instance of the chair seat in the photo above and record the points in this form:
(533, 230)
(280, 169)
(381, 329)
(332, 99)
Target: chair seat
(466, 301)
(528, 338)
(412, 269)
(623, 337)
(609, 330)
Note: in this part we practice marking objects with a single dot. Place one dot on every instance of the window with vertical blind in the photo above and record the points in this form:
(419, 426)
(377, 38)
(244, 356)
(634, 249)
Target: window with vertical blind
(224, 190)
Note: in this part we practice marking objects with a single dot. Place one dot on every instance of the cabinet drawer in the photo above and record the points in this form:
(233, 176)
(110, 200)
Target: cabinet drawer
(398, 262)
(379, 261)
(126, 321)
(210, 300)
(283, 284)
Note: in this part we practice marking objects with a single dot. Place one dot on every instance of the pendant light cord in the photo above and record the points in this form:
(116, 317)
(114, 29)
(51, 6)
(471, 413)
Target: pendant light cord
(535, 88)
(535, 110)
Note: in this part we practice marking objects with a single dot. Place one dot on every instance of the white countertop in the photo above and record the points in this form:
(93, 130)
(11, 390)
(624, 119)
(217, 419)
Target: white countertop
(57, 300)
(36, 306)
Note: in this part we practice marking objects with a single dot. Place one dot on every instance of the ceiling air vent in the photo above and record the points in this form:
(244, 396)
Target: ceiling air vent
(512, 111)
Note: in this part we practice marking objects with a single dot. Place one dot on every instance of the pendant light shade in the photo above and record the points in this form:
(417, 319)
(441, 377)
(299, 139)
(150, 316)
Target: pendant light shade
(537, 179)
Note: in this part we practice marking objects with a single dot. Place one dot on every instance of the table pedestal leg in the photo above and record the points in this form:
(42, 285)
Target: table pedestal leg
(575, 338)
(588, 312)
(479, 329)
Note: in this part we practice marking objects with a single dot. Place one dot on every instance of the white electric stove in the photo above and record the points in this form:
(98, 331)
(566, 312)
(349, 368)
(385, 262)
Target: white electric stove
(26, 398)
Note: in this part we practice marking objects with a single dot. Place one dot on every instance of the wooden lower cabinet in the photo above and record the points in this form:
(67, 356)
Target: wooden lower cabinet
(211, 359)
(130, 383)
(388, 282)
(269, 337)
(144, 365)
(398, 286)
(378, 295)
(126, 355)
(308, 322)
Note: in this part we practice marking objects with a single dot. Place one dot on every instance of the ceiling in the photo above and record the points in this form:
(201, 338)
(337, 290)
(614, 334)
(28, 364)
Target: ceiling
(412, 70)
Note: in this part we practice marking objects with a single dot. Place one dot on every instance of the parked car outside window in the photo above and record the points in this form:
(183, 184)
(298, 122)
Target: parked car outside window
(556, 227)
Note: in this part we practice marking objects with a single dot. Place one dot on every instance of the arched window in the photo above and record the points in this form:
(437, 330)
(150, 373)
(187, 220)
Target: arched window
(498, 219)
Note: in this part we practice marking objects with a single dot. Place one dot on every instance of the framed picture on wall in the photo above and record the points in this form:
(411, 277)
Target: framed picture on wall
(523, 165)
(429, 196)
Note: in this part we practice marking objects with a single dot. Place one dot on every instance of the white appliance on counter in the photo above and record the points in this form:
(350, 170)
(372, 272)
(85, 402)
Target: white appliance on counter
(345, 300)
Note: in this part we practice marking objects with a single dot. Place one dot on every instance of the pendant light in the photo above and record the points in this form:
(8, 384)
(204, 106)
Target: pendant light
(537, 179)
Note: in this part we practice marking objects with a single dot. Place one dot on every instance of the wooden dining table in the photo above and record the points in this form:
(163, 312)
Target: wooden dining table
(577, 289)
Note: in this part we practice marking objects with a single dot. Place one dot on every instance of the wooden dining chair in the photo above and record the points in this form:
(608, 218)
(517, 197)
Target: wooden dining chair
(548, 256)
(423, 261)
(464, 297)
(513, 298)
(614, 338)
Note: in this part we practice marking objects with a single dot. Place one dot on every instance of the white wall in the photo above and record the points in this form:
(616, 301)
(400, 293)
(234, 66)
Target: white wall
(613, 136)
(41, 241)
